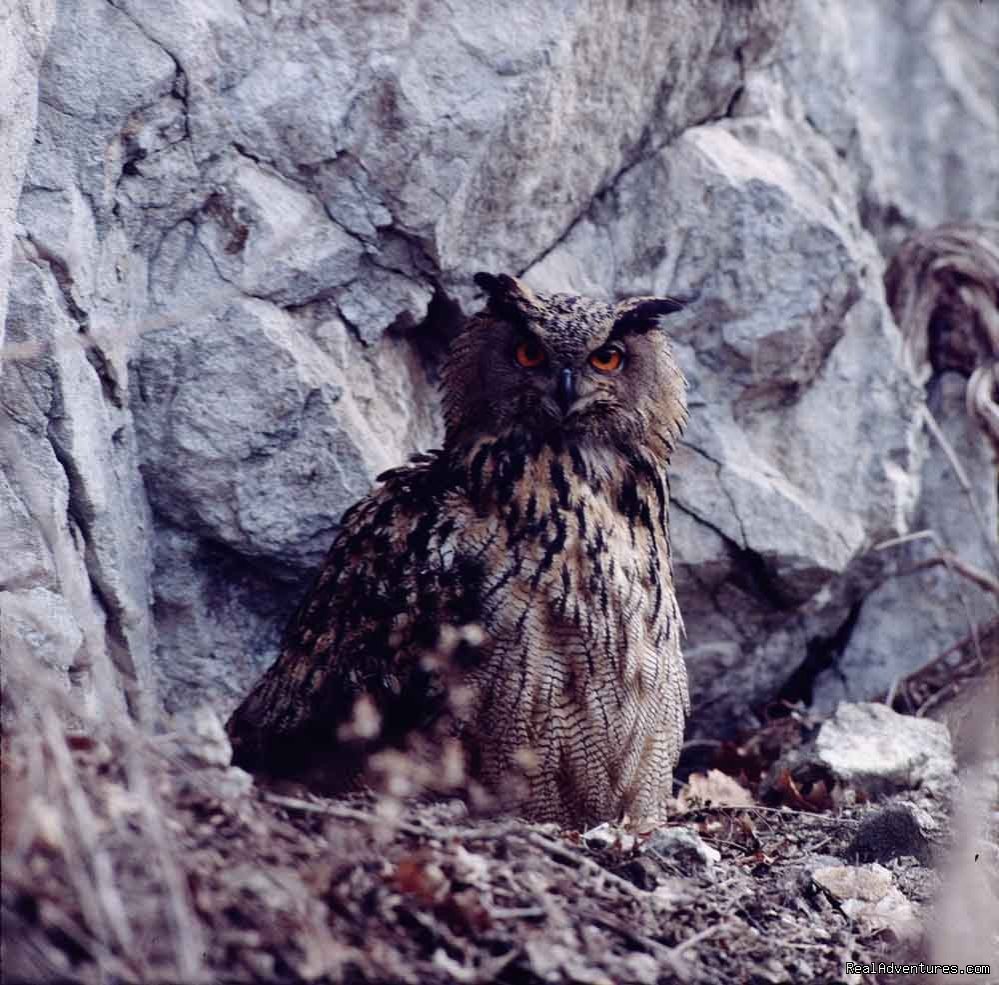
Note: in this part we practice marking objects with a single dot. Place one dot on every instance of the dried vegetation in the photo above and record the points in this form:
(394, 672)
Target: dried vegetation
(139, 857)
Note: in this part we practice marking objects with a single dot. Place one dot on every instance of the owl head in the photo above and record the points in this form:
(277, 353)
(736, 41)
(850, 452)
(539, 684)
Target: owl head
(564, 367)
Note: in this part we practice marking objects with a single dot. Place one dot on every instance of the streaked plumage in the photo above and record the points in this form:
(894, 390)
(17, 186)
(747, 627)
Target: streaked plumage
(544, 522)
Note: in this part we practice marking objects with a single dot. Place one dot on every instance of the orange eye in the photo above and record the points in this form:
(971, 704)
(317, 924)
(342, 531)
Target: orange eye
(607, 359)
(529, 354)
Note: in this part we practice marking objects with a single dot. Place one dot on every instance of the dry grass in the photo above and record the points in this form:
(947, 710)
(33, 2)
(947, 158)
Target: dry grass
(133, 857)
(85, 845)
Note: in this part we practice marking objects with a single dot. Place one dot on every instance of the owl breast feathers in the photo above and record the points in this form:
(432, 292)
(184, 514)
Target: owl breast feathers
(543, 523)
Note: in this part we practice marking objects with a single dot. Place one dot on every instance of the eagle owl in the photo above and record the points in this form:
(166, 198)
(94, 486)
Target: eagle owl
(543, 522)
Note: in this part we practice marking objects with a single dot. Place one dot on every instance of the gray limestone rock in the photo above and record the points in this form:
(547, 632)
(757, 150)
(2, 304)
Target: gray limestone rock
(25, 26)
(906, 93)
(244, 232)
(682, 848)
(874, 750)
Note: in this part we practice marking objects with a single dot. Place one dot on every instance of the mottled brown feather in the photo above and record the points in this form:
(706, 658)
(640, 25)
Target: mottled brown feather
(546, 526)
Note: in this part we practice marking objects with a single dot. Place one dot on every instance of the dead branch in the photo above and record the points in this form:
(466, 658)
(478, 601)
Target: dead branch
(962, 478)
(492, 830)
(519, 829)
(982, 579)
(188, 942)
(566, 855)
(923, 677)
(944, 557)
(99, 901)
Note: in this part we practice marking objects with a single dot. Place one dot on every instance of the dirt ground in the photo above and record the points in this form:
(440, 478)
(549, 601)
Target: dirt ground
(130, 858)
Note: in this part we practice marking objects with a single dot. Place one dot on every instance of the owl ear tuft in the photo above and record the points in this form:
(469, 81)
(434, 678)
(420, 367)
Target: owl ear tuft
(638, 315)
(506, 293)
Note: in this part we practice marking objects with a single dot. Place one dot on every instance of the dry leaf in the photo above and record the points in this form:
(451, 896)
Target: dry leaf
(713, 789)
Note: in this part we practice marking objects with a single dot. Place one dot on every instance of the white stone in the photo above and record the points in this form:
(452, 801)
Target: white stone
(683, 847)
(870, 748)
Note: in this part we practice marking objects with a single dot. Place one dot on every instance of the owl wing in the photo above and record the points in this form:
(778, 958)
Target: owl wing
(391, 580)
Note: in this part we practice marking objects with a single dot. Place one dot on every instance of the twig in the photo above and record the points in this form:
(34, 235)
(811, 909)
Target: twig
(438, 929)
(974, 574)
(100, 904)
(760, 809)
(945, 556)
(53, 916)
(189, 947)
(340, 811)
(701, 935)
(667, 955)
(517, 913)
(905, 539)
(893, 691)
(904, 685)
(962, 478)
(499, 829)
(568, 856)
(711, 839)
(960, 644)
(800, 946)
(933, 700)
(496, 829)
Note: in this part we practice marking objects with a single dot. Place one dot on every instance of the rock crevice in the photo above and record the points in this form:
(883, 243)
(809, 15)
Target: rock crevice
(244, 237)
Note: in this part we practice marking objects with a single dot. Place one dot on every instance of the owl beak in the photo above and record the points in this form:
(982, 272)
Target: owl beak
(565, 389)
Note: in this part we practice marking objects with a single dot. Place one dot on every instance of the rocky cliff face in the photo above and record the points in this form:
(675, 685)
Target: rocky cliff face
(237, 236)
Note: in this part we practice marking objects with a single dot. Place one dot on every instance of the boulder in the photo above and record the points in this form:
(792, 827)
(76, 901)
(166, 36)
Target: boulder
(871, 749)
(243, 237)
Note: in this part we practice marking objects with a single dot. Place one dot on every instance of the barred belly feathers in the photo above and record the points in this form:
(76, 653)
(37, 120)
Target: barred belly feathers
(540, 533)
